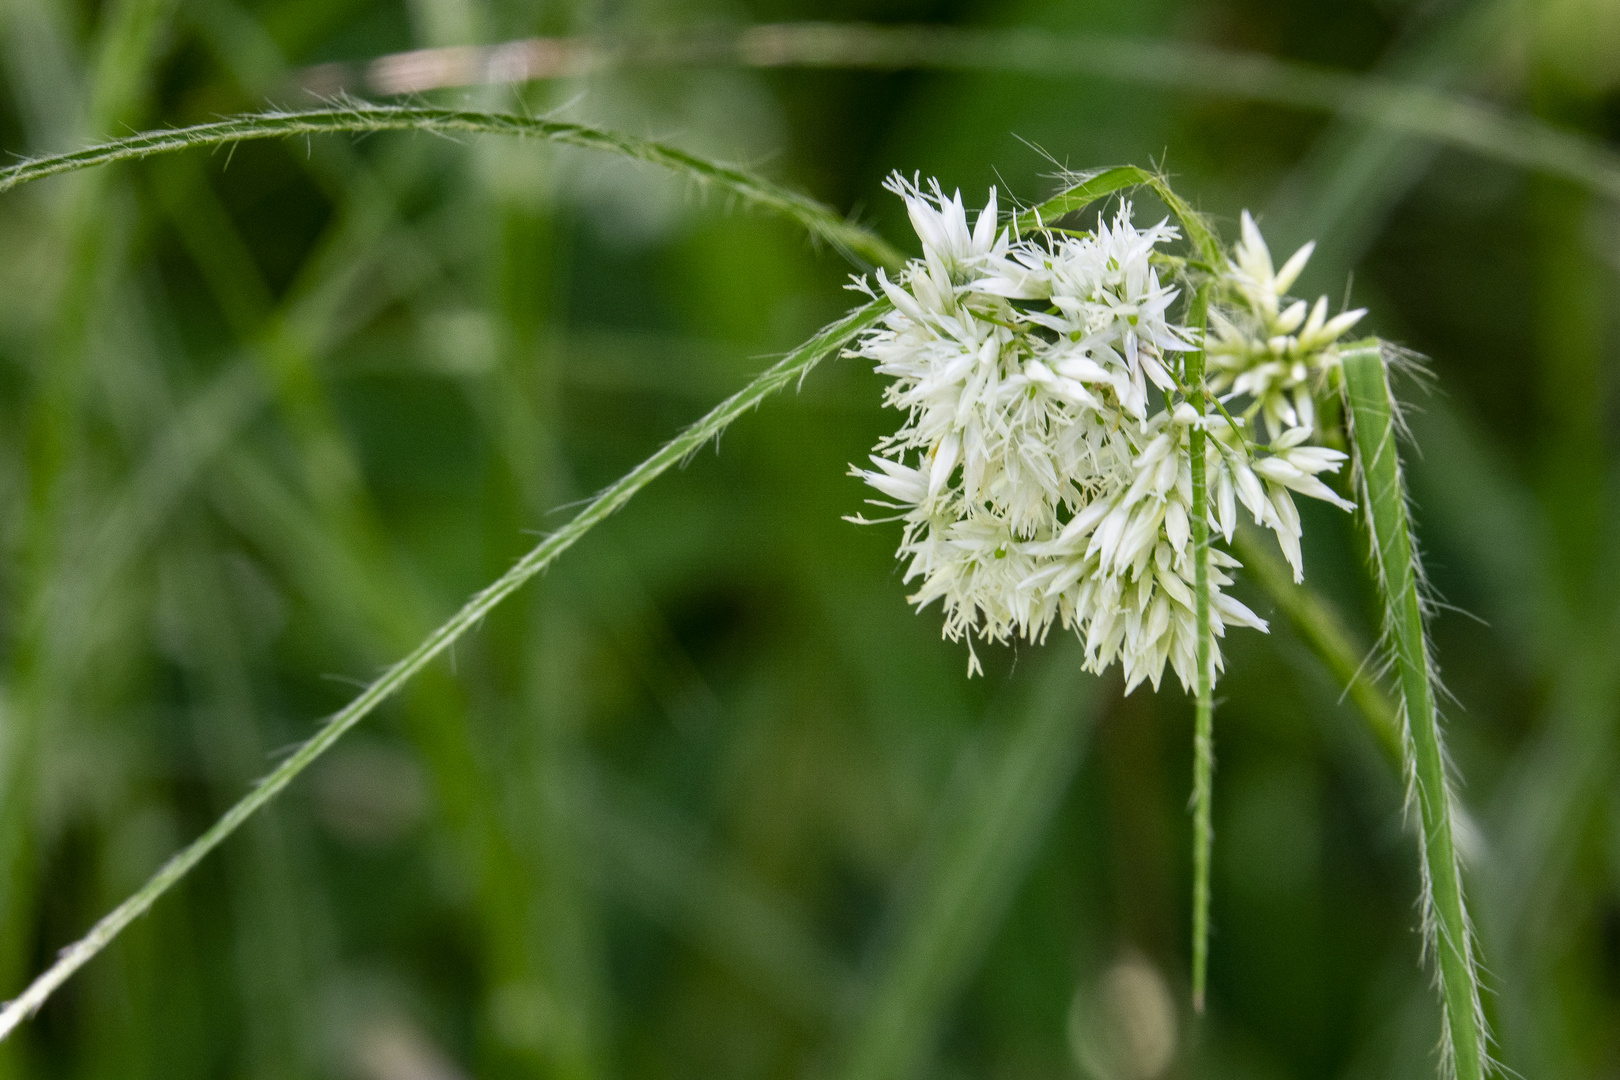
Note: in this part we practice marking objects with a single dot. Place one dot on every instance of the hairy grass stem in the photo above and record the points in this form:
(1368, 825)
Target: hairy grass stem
(1324, 632)
(851, 239)
(1448, 933)
(1436, 116)
(785, 372)
(821, 222)
(1088, 188)
(1204, 703)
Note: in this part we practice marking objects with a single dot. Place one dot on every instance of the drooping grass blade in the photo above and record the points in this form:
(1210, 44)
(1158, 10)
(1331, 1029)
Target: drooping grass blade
(1448, 933)
(816, 218)
(785, 372)
(1396, 105)
(982, 856)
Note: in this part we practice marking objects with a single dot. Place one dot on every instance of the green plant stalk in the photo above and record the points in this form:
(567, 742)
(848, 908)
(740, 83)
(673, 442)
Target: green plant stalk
(816, 218)
(1323, 631)
(1204, 705)
(1095, 184)
(124, 53)
(1090, 187)
(988, 835)
(791, 368)
(1422, 112)
(1447, 931)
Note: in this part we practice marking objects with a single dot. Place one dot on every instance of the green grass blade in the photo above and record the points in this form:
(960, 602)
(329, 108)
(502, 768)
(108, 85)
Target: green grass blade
(1101, 183)
(1447, 931)
(1324, 632)
(988, 844)
(1419, 111)
(1091, 186)
(788, 370)
(820, 221)
(1422, 112)
(1342, 191)
(1322, 629)
(130, 33)
(645, 855)
(126, 47)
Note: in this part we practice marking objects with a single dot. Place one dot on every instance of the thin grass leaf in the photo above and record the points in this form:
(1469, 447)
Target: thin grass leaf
(1419, 111)
(360, 117)
(1321, 628)
(1448, 933)
(788, 370)
(1087, 188)
(271, 913)
(128, 39)
(1449, 119)
(1092, 185)
(646, 856)
(126, 46)
(985, 849)
(1342, 191)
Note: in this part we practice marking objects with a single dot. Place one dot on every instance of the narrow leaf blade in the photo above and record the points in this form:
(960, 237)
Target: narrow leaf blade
(1373, 416)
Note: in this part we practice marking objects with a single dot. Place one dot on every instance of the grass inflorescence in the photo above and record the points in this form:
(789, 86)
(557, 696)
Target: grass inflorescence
(927, 965)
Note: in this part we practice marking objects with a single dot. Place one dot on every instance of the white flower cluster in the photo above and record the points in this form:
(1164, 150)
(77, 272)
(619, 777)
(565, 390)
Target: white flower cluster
(1278, 357)
(1043, 472)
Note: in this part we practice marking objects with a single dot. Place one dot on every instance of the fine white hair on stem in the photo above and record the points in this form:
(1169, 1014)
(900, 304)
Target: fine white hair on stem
(355, 117)
(1372, 413)
(778, 377)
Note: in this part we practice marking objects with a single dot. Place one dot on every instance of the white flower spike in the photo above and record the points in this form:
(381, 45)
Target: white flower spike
(1043, 468)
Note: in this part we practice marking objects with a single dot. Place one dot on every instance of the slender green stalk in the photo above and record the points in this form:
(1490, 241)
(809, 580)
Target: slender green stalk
(1419, 111)
(1323, 631)
(788, 370)
(1088, 188)
(125, 50)
(643, 851)
(1447, 930)
(988, 835)
(1204, 707)
(816, 218)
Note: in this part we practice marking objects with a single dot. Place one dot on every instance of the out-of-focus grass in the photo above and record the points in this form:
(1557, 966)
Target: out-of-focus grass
(269, 416)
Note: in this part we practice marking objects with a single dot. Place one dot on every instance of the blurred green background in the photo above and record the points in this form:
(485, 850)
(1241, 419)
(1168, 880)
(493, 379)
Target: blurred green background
(709, 800)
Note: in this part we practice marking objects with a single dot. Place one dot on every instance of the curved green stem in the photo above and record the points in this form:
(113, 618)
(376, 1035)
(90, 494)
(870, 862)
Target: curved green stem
(1419, 111)
(1447, 930)
(821, 222)
(1090, 186)
(1322, 630)
(788, 370)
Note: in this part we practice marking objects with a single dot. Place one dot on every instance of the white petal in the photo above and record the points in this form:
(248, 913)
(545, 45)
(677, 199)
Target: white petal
(984, 230)
(1175, 525)
(1235, 613)
(944, 463)
(1291, 269)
